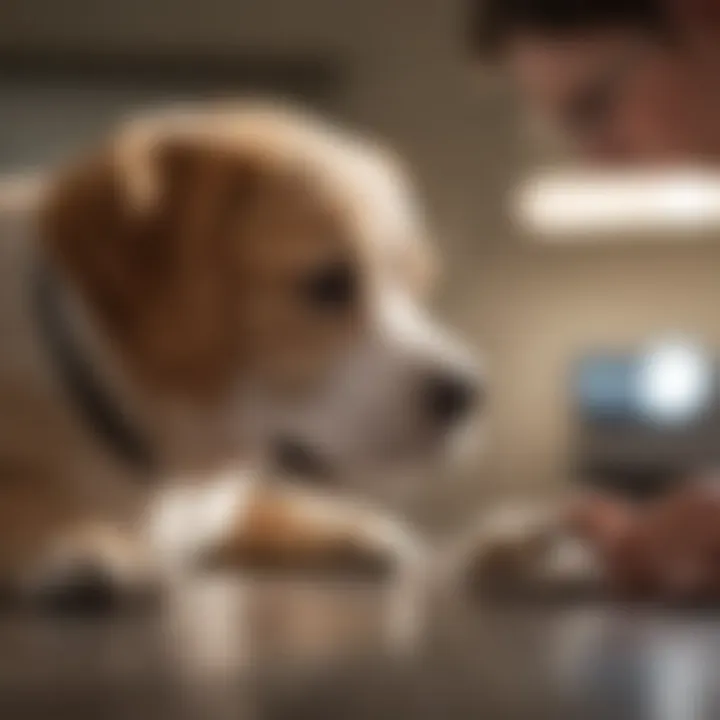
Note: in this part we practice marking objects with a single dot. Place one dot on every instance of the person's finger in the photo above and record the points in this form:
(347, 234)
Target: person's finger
(601, 520)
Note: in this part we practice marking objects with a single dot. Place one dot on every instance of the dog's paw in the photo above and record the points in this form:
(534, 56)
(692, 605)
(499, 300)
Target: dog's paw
(87, 588)
(89, 573)
(522, 552)
(82, 588)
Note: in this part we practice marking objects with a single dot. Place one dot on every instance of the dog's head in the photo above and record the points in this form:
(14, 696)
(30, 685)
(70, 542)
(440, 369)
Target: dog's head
(262, 274)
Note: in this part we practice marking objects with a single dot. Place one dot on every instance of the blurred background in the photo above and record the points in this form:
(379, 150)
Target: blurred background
(538, 291)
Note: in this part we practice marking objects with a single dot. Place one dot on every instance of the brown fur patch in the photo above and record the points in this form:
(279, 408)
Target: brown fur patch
(191, 249)
(282, 531)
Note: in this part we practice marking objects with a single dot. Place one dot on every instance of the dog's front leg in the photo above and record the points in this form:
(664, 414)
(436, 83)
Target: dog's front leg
(282, 528)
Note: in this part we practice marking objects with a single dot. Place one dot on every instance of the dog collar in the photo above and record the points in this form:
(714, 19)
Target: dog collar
(91, 397)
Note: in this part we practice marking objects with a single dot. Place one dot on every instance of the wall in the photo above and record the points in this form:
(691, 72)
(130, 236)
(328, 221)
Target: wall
(530, 309)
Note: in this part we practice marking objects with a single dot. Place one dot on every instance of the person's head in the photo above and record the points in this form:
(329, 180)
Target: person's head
(627, 80)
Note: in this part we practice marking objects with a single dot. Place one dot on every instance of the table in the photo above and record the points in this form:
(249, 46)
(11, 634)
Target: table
(278, 648)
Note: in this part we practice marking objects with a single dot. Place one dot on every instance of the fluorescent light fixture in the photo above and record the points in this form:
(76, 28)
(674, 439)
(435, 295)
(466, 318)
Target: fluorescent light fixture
(554, 204)
(675, 384)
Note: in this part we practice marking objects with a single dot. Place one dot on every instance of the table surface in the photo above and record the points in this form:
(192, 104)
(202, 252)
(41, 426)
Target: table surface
(287, 648)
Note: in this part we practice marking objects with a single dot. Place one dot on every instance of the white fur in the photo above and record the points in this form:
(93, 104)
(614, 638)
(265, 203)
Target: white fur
(368, 421)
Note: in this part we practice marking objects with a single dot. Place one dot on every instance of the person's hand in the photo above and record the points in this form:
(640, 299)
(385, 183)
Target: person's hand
(611, 527)
(680, 538)
(669, 549)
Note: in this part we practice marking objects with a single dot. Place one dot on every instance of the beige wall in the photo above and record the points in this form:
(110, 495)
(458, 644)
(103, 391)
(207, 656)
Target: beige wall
(530, 309)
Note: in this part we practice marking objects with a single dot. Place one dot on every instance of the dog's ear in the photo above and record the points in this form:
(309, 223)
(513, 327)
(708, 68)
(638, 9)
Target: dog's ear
(93, 225)
(142, 231)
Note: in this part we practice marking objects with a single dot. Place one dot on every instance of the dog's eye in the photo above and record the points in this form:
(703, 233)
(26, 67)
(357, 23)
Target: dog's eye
(332, 287)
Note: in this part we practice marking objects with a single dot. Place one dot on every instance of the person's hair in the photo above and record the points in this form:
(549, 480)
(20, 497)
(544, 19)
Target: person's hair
(494, 22)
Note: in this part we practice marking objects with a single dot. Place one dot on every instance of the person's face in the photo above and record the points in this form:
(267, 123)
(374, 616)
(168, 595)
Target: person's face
(615, 96)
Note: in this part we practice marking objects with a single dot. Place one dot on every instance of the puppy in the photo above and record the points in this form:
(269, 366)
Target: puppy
(206, 291)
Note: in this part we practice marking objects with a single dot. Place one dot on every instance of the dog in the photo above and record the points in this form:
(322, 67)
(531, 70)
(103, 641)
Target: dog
(208, 291)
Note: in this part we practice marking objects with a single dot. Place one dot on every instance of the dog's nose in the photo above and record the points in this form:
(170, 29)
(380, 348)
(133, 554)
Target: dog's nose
(451, 397)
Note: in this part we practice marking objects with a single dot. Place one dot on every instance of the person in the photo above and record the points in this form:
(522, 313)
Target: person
(620, 80)
(630, 82)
